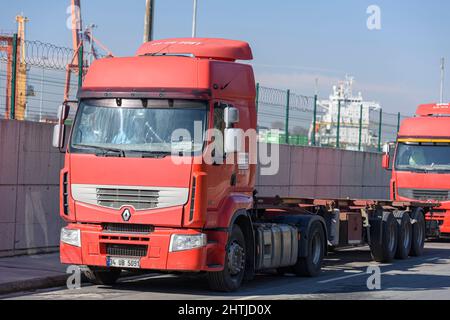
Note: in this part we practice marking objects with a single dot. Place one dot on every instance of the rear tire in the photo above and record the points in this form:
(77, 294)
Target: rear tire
(404, 235)
(311, 265)
(418, 233)
(383, 249)
(230, 278)
(102, 276)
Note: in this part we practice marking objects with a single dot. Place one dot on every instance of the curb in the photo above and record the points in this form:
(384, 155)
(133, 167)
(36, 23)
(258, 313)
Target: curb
(33, 284)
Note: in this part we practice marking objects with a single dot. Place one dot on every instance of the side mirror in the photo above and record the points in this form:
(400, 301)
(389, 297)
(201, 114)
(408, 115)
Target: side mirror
(233, 140)
(231, 116)
(60, 128)
(387, 148)
(386, 161)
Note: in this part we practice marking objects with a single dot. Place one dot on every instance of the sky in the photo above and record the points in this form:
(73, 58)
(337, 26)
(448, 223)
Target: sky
(293, 41)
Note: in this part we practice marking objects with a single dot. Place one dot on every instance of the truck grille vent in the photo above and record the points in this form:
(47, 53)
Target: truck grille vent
(127, 228)
(425, 194)
(66, 194)
(117, 198)
(441, 195)
(126, 250)
(140, 198)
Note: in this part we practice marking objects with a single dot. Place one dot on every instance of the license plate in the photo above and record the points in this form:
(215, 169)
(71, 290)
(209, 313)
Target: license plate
(119, 262)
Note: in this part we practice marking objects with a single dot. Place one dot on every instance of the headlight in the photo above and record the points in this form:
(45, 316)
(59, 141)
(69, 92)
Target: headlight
(71, 236)
(180, 242)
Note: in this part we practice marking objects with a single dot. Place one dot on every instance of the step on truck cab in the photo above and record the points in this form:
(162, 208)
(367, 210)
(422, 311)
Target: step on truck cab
(421, 164)
(148, 183)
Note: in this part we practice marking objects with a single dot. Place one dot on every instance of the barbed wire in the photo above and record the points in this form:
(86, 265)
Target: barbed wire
(47, 55)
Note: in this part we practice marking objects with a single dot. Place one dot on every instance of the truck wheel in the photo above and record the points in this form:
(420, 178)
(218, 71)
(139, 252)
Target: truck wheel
(310, 266)
(102, 276)
(404, 235)
(418, 233)
(384, 249)
(230, 278)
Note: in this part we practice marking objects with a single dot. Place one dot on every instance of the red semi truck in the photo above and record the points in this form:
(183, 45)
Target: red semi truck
(131, 204)
(421, 164)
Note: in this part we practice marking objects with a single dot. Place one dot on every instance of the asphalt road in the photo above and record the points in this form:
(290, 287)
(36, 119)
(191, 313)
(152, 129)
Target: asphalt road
(344, 277)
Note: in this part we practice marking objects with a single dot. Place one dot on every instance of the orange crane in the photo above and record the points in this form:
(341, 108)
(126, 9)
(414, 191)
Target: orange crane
(21, 93)
(19, 68)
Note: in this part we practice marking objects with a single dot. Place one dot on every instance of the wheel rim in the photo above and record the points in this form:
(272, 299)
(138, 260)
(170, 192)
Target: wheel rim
(236, 258)
(316, 249)
(391, 241)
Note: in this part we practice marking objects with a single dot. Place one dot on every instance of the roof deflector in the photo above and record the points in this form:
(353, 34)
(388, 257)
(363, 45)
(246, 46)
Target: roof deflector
(433, 109)
(207, 48)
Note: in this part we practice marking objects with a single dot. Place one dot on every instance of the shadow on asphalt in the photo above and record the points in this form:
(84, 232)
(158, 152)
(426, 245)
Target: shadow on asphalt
(271, 284)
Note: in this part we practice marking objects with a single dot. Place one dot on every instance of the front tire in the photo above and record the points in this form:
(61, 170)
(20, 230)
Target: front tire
(103, 276)
(311, 265)
(232, 275)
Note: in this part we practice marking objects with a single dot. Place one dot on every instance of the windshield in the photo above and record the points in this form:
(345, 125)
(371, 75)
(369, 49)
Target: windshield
(135, 125)
(423, 157)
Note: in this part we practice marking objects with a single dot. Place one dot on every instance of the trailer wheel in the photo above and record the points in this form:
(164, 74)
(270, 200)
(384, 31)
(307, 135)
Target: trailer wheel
(404, 235)
(230, 278)
(311, 265)
(384, 242)
(418, 233)
(103, 276)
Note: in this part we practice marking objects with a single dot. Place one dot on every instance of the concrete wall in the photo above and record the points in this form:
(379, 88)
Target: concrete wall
(326, 173)
(29, 178)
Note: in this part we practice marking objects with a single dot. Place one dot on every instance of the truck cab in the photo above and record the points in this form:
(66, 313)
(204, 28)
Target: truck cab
(421, 164)
(137, 155)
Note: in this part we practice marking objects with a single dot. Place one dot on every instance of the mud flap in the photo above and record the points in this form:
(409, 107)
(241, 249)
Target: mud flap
(432, 229)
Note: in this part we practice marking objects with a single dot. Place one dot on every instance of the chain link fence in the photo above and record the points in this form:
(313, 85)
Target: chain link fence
(288, 118)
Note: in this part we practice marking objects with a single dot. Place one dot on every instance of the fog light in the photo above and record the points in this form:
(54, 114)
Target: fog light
(71, 236)
(179, 242)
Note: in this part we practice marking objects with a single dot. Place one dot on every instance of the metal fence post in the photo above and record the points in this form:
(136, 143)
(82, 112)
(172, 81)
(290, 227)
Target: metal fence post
(313, 138)
(360, 127)
(12, 111)
(379, 130)
(399, 116)
(338, 131)
(257, 100)
(80, 67)
(288, 97)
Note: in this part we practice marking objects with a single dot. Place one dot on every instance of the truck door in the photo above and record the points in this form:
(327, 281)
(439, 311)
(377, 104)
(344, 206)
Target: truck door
(222, 176)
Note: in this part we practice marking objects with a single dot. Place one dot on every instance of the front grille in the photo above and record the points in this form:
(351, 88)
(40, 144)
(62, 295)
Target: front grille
(425, 194)
(126, 250)
(117, 198)
(127, 228)
(140, 198)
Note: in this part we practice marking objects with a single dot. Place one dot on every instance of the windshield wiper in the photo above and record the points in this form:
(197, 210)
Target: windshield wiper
(104, 151)
(152, 154)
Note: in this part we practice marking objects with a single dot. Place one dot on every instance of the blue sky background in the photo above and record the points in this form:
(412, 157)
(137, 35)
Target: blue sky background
(293, 41)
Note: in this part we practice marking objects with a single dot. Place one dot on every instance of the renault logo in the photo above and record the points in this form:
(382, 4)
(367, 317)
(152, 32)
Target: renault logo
(126, 215)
